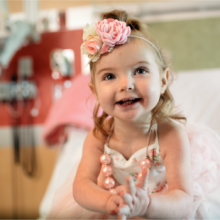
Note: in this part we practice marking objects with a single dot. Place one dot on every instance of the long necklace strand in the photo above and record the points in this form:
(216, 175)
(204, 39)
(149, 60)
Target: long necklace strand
(105, 160)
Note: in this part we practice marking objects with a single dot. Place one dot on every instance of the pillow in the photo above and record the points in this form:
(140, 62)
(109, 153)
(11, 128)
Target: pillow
(74, 108)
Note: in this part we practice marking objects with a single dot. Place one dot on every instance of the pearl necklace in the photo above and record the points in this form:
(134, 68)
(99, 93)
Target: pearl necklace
(105, 160)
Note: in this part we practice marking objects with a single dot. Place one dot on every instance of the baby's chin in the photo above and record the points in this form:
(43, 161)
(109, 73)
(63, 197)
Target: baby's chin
(131, 117)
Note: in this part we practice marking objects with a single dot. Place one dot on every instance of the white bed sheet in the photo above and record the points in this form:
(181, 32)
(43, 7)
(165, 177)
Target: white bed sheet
(69, 157)
(197, 95)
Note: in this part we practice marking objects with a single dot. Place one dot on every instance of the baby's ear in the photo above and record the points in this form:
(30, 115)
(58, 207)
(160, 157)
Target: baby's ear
(165, 79)
(92, 88)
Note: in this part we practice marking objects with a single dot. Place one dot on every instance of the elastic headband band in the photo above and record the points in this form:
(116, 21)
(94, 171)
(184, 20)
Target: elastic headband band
(158, 52)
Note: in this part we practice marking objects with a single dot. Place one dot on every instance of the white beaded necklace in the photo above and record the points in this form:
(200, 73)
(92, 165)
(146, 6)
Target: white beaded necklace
(105, 160)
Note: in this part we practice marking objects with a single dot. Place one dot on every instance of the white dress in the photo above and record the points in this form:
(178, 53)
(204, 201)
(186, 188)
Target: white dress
(205, 160)
(122, 167)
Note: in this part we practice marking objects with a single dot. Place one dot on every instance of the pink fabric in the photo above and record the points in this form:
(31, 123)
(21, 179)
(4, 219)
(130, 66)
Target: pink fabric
(74, 108)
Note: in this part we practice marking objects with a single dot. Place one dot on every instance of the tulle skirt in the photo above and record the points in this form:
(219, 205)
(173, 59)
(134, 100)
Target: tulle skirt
(205, 160)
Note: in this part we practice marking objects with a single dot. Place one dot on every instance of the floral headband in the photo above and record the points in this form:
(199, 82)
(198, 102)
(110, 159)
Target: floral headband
(101, 37)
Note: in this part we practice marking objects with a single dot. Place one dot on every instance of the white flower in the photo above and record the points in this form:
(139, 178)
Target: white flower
(83, 49)
(89, 31)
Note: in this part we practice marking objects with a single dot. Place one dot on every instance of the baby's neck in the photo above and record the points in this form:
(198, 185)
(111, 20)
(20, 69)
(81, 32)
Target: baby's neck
(130, 130)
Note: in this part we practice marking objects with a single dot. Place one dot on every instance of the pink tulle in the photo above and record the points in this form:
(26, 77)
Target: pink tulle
(205, 159)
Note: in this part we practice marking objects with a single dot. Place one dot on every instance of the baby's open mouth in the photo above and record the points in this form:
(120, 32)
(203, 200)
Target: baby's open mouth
(130, 101)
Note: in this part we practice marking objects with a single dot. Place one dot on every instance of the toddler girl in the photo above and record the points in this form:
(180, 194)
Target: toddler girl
(138, 160)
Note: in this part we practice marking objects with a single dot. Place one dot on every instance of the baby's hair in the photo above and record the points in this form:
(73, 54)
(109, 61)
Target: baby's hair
(165, 106)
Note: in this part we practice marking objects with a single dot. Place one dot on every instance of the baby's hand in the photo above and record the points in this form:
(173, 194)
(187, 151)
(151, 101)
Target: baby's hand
(134, 199)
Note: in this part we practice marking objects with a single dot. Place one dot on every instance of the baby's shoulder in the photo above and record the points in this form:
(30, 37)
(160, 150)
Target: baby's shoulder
(172, 135)
(93, 141)
(96, 138)
(170, 127)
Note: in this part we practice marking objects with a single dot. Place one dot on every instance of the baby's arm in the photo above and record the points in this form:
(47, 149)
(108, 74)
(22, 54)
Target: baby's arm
(177, 202)
(85, 189)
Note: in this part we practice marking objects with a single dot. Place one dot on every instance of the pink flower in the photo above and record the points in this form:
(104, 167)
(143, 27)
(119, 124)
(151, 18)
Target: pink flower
(152, 153)
(112, 32)
(159, 188)
(134, 160)
(136, 175)
(91, 46)
(158, 183)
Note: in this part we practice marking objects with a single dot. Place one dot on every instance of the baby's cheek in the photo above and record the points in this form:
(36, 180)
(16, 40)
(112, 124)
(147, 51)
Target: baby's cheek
(154, 95)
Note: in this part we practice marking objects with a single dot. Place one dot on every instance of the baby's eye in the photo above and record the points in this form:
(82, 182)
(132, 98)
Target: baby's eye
(140, 71)
(109, 76)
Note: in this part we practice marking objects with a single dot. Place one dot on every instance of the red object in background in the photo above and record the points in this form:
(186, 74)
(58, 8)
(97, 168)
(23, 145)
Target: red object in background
(40, 53)
(62, 20)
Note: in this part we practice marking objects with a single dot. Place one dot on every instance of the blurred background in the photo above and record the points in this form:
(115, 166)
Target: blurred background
(40, 60)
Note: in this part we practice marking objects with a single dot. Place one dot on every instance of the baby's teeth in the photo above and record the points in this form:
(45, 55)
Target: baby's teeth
(124, 100)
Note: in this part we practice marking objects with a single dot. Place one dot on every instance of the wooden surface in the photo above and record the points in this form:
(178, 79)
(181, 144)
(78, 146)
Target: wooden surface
(20, 194)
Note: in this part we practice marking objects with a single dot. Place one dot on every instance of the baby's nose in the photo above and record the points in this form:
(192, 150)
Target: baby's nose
(126, 84)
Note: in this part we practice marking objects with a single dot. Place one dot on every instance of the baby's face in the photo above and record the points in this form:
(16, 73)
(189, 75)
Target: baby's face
(127, 81)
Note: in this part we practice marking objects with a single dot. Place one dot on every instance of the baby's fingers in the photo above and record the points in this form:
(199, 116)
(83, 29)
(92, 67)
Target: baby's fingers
(123, 210)
(120, 190)
(121, 217)
(143, 179)
(118, 201)
(129, 185)
(127, 199)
